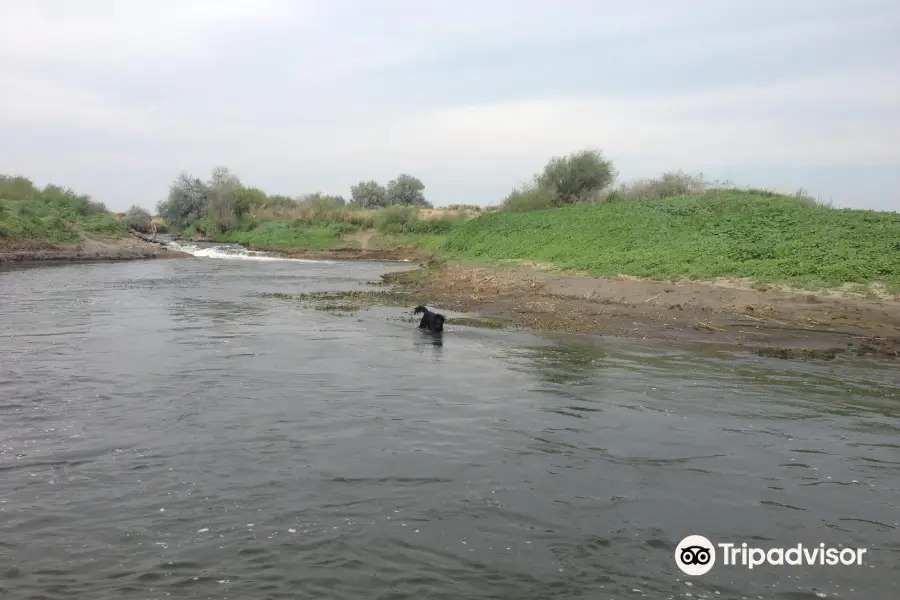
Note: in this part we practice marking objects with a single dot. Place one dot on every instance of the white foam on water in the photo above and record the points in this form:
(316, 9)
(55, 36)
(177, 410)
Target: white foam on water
(235, 252)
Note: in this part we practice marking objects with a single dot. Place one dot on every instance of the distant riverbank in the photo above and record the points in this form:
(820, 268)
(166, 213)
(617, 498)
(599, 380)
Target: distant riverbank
(56, 224)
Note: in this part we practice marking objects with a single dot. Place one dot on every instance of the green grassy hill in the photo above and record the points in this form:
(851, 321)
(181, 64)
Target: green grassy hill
(51, 214)
(725, 233)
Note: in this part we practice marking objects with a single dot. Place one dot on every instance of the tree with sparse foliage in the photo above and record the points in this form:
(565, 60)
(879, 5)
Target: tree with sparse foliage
(368, 194)
(408, 191)
(220, 206)
(186, 203)
(223, 178)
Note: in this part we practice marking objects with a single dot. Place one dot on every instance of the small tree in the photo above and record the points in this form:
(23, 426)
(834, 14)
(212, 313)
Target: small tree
(138, 219)
(220, 207)
(576, 177)
(223, 178)
(368, 194)
(408, 191)
(186, 203)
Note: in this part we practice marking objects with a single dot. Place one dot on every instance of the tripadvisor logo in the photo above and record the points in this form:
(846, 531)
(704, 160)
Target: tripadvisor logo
(696, 555)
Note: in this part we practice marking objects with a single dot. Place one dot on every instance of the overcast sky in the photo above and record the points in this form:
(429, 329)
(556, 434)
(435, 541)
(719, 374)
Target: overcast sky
(114, 98)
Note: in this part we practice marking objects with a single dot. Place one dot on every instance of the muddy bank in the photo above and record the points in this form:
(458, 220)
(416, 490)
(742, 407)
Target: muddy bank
(397, 254)
(786, 324)
(90, 250)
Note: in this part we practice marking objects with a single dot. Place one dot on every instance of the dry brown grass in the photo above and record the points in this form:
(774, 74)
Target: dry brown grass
(423, 213)
(437, 213)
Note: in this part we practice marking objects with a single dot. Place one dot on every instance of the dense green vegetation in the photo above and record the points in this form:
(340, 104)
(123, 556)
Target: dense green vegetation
(718, 233)
(51, 214)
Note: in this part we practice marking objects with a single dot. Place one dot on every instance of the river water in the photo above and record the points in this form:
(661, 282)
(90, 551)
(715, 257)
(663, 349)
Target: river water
(169, 431)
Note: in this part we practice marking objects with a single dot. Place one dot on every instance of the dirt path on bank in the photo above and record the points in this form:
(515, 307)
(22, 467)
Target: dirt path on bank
(726, 312)
(365, 239)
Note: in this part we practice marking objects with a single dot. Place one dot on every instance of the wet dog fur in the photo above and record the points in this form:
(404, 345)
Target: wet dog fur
(431, 321)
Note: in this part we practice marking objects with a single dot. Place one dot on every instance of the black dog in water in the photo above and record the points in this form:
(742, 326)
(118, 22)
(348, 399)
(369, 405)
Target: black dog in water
(430, 321)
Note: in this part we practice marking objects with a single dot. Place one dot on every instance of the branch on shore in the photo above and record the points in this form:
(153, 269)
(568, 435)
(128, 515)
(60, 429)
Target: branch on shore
(150, 239)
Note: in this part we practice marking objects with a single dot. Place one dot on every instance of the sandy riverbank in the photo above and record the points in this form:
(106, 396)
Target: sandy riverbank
(89, 250)
(780, 322)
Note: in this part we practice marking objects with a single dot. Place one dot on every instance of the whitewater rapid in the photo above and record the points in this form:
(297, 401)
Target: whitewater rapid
(233, 252)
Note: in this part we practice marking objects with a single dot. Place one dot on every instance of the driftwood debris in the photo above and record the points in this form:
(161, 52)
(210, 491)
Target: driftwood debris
(151, 239)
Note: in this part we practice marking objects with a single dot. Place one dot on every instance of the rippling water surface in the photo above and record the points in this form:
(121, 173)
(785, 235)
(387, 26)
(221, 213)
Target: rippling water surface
(167, 431)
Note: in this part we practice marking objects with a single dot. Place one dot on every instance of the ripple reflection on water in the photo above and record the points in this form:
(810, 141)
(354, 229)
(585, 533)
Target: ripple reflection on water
(167, 431)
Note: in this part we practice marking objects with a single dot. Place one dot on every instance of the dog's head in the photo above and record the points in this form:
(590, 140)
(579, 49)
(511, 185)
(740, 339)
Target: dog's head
(419, 309)
(438, 322)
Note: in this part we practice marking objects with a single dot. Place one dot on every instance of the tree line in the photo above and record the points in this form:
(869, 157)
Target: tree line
(223, 201)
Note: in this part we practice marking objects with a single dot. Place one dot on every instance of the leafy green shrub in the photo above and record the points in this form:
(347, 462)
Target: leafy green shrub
(138, 219)
(527, 198)
(668, 185)
(577, 177)
(572, 179)
(50, 214)
(439, 226)
(188, 233)
(104, 224)
(288, 234)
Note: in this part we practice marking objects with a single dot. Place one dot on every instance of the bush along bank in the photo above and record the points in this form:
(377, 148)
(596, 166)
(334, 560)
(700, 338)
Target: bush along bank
(53, 224)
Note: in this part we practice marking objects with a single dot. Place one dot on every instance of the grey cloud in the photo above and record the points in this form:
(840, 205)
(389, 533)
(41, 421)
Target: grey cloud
(296, 96)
